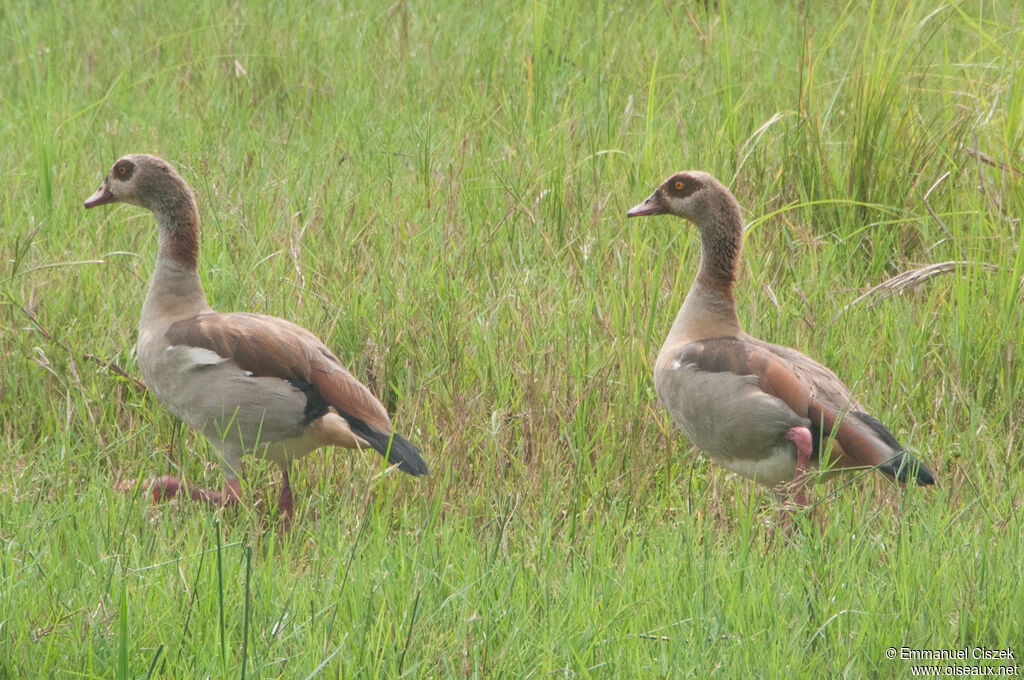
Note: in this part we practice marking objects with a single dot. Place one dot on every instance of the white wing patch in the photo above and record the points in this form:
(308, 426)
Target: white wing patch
(199, 356)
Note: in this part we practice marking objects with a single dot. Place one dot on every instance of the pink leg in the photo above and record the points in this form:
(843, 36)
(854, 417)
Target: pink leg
(800, 436)
(166, 487)
(284, 500)
(794, 490)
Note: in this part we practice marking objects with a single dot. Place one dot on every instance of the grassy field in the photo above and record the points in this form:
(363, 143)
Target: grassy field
(438, 190)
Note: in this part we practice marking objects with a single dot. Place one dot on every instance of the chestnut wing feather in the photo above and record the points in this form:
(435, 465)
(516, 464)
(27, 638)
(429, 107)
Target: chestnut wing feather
(267, 346)
(809, 389)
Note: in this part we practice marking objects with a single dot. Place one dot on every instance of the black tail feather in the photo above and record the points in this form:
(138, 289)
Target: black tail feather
(902, 465)
(397, 449)
(905, 467)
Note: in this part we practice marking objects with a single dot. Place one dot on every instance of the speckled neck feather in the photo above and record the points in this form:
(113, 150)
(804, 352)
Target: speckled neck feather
(721, 236)
(178, 216)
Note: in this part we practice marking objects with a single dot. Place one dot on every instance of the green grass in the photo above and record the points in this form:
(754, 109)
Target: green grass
(438, 190)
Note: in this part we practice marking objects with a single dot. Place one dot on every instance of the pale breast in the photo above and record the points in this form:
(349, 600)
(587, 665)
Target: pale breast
(730, 419)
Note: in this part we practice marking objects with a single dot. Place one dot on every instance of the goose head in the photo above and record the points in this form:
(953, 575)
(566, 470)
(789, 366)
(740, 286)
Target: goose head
(691, 194)
(142, 180)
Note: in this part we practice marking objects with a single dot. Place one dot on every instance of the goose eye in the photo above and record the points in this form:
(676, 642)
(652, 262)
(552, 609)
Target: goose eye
(679, 185)
(124, 170)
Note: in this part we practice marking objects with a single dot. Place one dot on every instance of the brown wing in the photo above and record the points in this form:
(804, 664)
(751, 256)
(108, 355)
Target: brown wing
(267, 346)
(811, 391)
(740, 357)
(821, 382)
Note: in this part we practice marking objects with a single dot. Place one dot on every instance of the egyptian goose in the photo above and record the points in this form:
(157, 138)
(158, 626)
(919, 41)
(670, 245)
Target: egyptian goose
(249, 383)
(761, 410)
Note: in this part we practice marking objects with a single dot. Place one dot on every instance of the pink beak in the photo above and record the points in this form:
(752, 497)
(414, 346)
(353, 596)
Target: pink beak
(102, 195)
(650, 206)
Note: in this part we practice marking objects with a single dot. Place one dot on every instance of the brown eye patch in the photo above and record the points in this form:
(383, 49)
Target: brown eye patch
(682, 186)
(123, 170)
